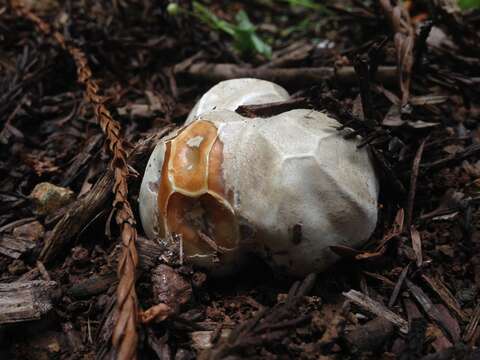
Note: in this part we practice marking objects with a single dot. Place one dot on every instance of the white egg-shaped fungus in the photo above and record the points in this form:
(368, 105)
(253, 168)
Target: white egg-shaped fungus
(285, 187)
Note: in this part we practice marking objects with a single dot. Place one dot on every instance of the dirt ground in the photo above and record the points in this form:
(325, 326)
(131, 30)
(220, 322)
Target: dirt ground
(404, 77)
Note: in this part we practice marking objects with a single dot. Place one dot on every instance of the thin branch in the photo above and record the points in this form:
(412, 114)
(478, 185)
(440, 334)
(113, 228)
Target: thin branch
(413, 182)
(297, 77)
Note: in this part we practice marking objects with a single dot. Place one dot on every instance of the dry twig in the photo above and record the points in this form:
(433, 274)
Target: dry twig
(404, 40)
(298, 77)
(125, 335)
(377, 309)
(398, 286)
(413, 182)
(271, 109)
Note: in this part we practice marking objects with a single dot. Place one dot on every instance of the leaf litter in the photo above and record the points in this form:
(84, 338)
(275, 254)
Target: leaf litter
(402, 75)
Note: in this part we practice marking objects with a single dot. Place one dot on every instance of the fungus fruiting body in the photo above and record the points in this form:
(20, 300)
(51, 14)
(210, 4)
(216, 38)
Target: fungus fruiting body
(285, 187)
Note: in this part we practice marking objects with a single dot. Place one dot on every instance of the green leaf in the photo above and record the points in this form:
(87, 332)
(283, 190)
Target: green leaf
(469, 4)
(302, 26)
(309, 4)
(246, 41)
(205, 15)
(243, 22)
(261, 47)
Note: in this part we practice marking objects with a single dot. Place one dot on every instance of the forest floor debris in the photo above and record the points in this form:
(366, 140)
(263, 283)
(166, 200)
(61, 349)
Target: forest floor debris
(404, 76)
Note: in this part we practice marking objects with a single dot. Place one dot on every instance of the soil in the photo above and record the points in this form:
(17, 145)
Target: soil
(404, 77)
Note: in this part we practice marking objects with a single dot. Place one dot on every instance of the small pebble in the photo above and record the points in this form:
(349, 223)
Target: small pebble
(48, 197)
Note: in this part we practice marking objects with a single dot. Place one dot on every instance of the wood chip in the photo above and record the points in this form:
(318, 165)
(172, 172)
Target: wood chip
(377, 309)
(370, 336)
(203, 340)
(149, 253)
(32, 231)
(452, 323)
(396, 230)
(440, 341)
(431, 310)
(417, 245)
(444, 293)
(20, 302)
(169, 287)
(91, 286)
(386, 281)
(15, 247)
(398, 286)
(412, 311)
(472, 326)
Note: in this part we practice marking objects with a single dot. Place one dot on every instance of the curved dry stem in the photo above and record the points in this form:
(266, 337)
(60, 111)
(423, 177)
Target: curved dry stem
(125, 335)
